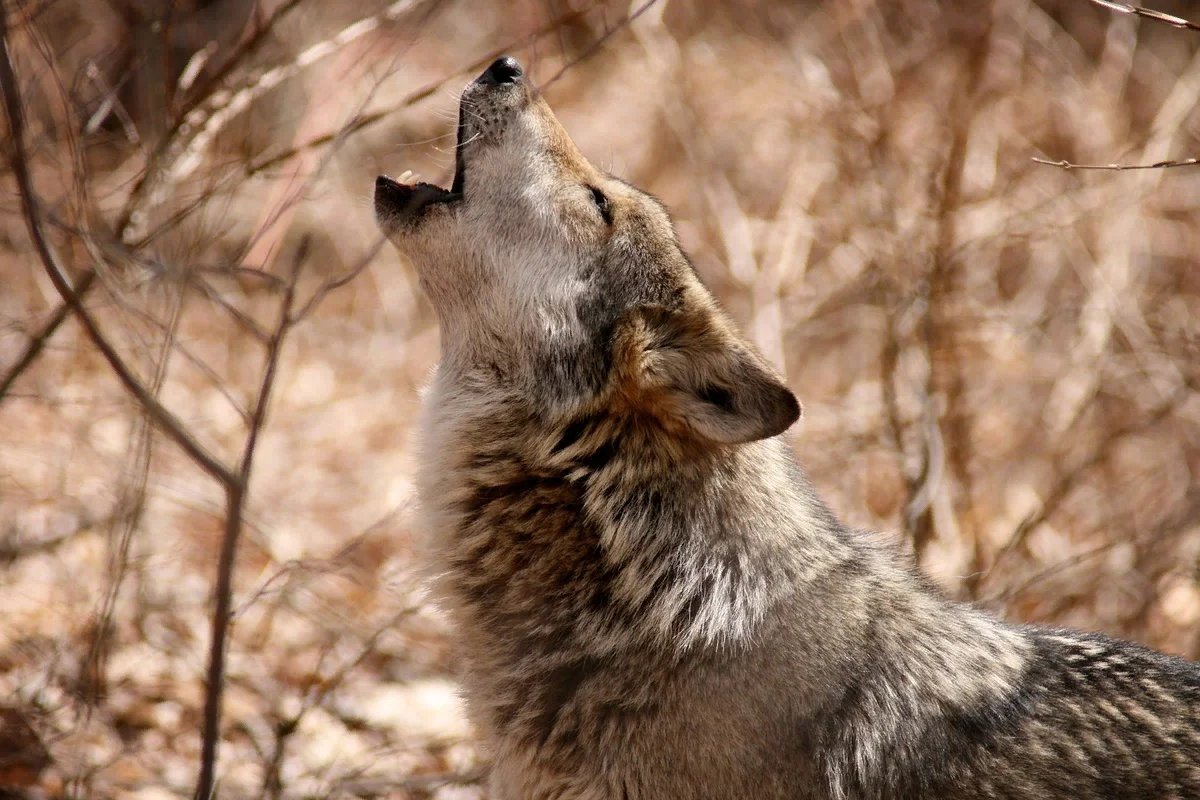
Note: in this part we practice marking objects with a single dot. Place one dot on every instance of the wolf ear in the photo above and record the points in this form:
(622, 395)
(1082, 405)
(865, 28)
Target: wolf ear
(696, 376)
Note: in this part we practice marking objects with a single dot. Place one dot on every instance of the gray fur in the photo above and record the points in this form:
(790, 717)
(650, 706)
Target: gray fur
(650, 599)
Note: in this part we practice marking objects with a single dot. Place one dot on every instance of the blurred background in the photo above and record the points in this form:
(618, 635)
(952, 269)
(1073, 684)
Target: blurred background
(997, 357)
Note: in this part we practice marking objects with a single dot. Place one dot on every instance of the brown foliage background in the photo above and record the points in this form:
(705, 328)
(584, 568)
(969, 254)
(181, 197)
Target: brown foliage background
(997, 357)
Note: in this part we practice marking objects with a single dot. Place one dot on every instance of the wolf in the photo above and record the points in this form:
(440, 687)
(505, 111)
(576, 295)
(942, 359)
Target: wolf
(650, 600)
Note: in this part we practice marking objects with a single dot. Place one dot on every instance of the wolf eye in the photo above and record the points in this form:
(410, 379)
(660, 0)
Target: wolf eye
(601, 204)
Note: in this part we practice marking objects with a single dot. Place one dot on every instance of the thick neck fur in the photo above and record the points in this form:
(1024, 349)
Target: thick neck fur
(583, 539)
(654, 525)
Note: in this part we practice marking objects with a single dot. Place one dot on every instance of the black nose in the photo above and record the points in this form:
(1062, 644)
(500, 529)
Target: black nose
(503, 70)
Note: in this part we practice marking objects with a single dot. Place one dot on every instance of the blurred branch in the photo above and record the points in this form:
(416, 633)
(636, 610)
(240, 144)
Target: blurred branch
(1069, 479)
(37, 342)
(1115, 270)
(272, 788)
(235, 497)
(1157, 16)
(186, 142)
(13, 549)
(205, 89)
(162, 417)
(203, 125)
(946, 443)
(1179, 522)
(1187, 162)
(338, 281)
(918, 514)
(1147, 13)
(622, 23)
(204, 85)
(163, 155)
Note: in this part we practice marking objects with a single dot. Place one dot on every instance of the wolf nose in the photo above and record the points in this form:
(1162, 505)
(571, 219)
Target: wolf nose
(503, 70)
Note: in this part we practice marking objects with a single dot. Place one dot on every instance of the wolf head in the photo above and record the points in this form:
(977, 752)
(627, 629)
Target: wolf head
(569, 285)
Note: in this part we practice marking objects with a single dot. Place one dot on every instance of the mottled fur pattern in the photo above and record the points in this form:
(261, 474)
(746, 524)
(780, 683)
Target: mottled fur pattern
(650, 599)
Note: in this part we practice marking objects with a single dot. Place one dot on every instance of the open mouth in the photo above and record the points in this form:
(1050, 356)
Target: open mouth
(398, 199)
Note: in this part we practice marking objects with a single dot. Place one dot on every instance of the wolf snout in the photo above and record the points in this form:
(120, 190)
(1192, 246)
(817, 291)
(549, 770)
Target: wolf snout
(503, 70)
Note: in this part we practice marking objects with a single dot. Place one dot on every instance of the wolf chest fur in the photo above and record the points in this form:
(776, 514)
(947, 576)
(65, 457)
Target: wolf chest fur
(650, 599)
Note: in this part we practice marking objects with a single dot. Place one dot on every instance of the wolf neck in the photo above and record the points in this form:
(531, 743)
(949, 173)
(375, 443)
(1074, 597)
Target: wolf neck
(587, 530)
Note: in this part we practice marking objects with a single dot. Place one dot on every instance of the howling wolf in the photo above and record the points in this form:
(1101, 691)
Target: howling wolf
(651, 601)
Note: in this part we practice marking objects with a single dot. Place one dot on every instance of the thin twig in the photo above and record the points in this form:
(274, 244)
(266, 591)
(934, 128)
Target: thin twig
(1064, 164)
(241, 317)
(1147, 13)
(235, 497)
(317, 695)
(1070, 479)
(83, 284)
(338, 281)
(1050, 571)
(204, 86)
(1157, 16)
(183, 149)
(201, 93)
(37, 342)
(622, 23)
(133, 503)
(1181, 520)
(162, 417)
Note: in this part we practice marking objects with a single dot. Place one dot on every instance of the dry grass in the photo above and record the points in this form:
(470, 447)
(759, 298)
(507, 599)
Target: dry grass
(997, 357)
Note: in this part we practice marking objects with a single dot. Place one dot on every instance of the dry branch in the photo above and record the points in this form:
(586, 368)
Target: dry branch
(1070, 478)
(235, 501)
(621, 24)
(1147, 13)
(183, 149)
(37, 342)
(1186, 162)
(162, 417)
(1156, 16)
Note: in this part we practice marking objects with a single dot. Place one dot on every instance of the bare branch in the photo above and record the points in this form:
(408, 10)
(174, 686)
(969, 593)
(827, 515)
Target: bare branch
(235, 501)
(161, 416)
(365, 120)
(622, 23)
(1157, 16)
(1063, 164)
(13, 549)
(1147, 13)
(37, 342)
(1181, 520)
(205, 85)
(338, 281)
(242, 318)
(133, 504)
(1069, 479)
(181, 151)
